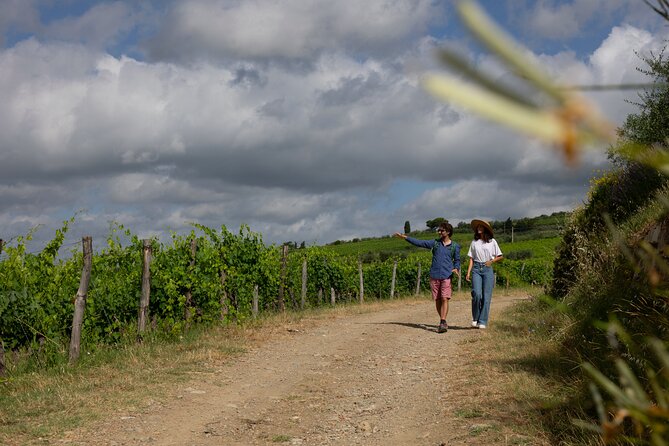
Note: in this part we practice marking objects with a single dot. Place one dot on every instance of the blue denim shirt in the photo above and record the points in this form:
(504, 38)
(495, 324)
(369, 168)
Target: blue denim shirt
(443, 263)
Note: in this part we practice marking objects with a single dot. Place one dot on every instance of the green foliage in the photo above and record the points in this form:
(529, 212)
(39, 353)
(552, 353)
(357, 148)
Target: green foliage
(640, 410)
(615, 285)
(33, 297)
(36, 291)
(519, 255)
(435, 222)
(203, 277)
(547, 227)
(650, 126)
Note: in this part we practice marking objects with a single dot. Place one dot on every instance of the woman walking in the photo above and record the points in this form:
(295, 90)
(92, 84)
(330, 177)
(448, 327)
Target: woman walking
(483, 252)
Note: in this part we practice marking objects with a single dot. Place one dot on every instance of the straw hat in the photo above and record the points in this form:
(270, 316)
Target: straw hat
(483, 223)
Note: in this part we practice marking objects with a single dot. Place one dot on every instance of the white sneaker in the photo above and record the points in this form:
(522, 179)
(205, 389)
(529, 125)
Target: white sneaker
(475, 324)
(481, 325)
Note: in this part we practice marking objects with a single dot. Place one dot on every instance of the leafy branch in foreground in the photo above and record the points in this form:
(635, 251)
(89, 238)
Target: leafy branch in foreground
(639, 411)
(647, 411)
(567, 119)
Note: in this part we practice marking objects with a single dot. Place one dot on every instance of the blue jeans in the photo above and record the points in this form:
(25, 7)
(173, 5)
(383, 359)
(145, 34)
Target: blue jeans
(483, 279)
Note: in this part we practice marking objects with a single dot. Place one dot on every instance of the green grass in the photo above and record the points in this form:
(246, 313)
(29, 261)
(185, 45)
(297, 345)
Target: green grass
(468, 413)
(542, 248)
(533, 268)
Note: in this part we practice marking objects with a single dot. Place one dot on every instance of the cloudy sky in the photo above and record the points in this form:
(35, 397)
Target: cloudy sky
(305, 120)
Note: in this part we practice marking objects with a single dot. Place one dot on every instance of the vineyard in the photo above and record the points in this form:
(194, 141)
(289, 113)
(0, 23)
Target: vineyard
(204, 277)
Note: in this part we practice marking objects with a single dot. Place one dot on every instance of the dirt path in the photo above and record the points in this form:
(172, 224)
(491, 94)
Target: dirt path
(383, 378)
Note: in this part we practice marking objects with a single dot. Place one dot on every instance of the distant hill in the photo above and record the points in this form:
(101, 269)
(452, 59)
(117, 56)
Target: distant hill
(526, 228)
(522, 229)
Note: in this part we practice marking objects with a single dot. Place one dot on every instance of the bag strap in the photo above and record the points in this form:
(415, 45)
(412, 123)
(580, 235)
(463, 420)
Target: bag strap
(434, 247)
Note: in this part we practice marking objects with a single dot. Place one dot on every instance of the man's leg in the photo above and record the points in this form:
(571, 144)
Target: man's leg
(443, 310)
(434, 287)
(444, 296)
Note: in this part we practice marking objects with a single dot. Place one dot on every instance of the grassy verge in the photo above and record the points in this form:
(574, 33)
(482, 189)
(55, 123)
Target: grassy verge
(533, 389)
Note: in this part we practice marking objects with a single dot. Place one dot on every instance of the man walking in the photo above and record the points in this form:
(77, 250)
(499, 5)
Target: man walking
(445, 262)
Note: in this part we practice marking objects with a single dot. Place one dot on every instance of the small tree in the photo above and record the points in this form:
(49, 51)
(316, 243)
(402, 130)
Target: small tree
(407, 227)
(434, 224)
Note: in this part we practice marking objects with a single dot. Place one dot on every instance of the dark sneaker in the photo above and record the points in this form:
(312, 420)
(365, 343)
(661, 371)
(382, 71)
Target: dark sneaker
(443, 327)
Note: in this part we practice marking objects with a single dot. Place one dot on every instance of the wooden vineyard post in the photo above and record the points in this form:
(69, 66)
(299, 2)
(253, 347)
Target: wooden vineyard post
(362, 283)
(332, 296)
(80, 299)
(303, 299)
(3, 370)
(255, 301)
(418, 280)
(459, 280)
(320, 296)
(189, 292)
(225, 309)
(146, 287)
(282, 281)
(392, 284)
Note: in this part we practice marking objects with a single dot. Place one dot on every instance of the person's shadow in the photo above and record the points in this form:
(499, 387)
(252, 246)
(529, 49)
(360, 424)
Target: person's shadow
(426, 327)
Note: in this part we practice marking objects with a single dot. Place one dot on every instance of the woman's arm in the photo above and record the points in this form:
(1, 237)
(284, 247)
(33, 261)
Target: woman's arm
(469, 269)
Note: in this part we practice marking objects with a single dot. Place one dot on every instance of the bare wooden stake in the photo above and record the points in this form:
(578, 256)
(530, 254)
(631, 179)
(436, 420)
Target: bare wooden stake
(303, 300)
(282, 281)
(225, 308)
(362, 282)
(255, 301)
(332, 296)
(146, 287)
(418, 280)
(392, 284)
(80, 299)
(189, 292)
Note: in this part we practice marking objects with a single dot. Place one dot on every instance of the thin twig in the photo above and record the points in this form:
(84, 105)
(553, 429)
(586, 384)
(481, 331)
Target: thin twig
(663, 9)
(41, 334)
(614, 87)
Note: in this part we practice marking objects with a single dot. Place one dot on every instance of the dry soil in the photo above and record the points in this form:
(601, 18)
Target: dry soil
(379, 378)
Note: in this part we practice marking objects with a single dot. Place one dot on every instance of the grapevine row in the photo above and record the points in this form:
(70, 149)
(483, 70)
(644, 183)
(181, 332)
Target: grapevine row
(205, 276)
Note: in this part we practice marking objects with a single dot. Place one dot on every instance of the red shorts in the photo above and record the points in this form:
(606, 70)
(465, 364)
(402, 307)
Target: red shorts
(441, 288)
